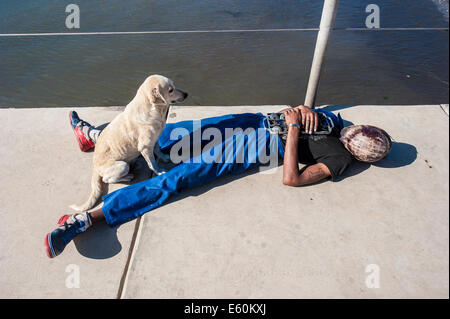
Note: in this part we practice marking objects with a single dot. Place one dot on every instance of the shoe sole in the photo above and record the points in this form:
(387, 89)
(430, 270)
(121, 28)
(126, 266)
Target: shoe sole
(48, 248)
(62, 220)
(80, 145)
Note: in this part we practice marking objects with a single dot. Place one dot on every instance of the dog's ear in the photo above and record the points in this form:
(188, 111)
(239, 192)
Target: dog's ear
(156, 96)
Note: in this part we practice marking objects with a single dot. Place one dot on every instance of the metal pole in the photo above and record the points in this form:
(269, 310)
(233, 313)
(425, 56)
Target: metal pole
(326, 25)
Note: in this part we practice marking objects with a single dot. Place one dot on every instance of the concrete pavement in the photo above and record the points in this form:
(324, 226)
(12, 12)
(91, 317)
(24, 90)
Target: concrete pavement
(245, 236)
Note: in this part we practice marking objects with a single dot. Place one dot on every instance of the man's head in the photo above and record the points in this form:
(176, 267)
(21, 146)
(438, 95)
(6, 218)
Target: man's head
(366, 143)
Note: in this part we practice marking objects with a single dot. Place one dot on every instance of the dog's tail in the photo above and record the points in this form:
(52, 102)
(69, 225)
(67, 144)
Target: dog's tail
(97, 186)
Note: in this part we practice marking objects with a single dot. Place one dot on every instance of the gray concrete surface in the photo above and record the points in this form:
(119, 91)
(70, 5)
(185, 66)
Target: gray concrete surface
(244, 236)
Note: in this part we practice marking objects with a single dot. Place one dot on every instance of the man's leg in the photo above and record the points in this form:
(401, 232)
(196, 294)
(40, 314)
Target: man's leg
(85, 133)
(96, 216)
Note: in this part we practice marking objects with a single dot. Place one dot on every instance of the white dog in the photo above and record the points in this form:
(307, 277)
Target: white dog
(133, 132)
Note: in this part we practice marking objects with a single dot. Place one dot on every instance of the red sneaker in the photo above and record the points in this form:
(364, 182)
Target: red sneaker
(81, 129)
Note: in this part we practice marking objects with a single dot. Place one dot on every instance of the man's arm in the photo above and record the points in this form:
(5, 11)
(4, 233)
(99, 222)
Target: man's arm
(291, 173)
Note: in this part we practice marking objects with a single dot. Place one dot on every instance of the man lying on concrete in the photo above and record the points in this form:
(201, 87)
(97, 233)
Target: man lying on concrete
(247, 147)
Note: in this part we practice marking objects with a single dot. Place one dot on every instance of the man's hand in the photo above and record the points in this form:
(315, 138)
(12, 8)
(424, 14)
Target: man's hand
(310, 119)
(292, 116)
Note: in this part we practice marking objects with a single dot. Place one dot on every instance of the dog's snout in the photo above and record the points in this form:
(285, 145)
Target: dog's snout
(181, 96)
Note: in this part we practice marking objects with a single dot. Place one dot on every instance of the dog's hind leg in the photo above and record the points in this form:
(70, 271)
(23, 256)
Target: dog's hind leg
(116, 173)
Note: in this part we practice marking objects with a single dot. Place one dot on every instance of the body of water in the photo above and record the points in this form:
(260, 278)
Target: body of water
(362, 67)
